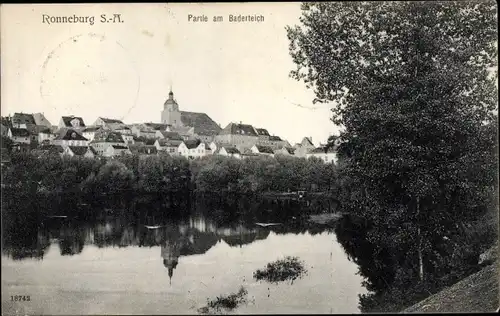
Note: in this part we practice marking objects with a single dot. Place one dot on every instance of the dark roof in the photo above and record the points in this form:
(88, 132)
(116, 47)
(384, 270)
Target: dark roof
(108, 120)
(169, 142)
(69, 134)
(157, 126)
(36, 129)
(290, 150)
(119, 147)
(202, 123)
(67, 120)
(322, 150)
(108, 137)
(275, 138)
(124, 127)
(171, 135)
(192, 143)
(239, 129)
(92, 129)
(23, 118)
(78, 150)
(231, 150)
(262, 131)
(265, 149)
(20, 132)
(143, 149)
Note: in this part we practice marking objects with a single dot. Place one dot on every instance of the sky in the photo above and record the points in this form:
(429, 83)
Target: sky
(234, 72)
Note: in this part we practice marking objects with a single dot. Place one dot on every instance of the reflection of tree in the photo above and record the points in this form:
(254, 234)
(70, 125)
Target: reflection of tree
(71, 241)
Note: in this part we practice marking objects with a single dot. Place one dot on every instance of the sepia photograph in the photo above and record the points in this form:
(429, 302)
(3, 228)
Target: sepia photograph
(249, 158)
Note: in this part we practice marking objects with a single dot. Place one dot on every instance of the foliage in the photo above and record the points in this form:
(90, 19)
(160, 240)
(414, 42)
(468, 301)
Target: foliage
(226, 302)
(221, 175)
(289, 268)
(412, 87)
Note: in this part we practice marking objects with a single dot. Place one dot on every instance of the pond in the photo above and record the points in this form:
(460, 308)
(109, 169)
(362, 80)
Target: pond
(116, 264)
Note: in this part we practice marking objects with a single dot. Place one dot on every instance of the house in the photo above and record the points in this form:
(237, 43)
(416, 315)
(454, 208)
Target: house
(105, 138)
(186, 132)
(305, 146)
(79, 151)
(103, 121)
(168, 135)
(166, 145)
(229, 151)
(285, 151)
(89, 132)
(263, 136)
(41, 120)
(127, 138)
(239, 135)
(35, 131)
(19, 135)
(74, 122)
(193, 149)
(22, 120)
(203, 127)
(276, 142)
(45, 135)
(69, 137)
(143, 130)
(328, 155)
(262, 150)
(116, 150)
(143, 150)
(124, 130)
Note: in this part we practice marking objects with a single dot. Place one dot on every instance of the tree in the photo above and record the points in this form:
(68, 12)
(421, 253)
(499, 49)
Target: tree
(412, 86)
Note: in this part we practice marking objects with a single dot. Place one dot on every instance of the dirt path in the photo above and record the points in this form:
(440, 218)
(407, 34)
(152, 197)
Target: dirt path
(474, 294)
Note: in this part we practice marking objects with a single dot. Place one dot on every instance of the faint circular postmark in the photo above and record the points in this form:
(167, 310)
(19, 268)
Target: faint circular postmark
(92, 72)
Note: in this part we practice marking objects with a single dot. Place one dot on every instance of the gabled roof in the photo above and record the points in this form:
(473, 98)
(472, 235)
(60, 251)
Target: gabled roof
(143, 149)
(69, 134)
(275, 138)
(67, 120)
(262, 132)
(40, 119)
(107, 136)
(156, 126)
(231, 150)
(171, 135)
(193, 143)
(91, 129)
(202, 123)
(182, 130)
(108, 120)
(169, 142)
(264, 149)
(119, 147)
(36, 129)
(239, 129)
(307, 141)
(23, 118)
(79, 150)
(19, 132)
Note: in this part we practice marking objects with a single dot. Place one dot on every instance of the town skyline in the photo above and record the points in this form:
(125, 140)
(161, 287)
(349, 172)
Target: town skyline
(237, 72)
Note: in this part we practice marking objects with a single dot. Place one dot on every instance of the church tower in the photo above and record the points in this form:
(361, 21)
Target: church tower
(171, 114)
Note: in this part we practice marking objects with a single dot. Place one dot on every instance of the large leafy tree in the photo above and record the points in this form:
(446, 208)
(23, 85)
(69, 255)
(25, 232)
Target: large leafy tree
(412, 84)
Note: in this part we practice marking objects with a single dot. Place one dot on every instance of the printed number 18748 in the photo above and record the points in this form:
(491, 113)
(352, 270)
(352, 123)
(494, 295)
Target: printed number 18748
(20, 298)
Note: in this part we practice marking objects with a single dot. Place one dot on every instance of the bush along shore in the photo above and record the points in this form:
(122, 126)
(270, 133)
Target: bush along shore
(166, 174)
